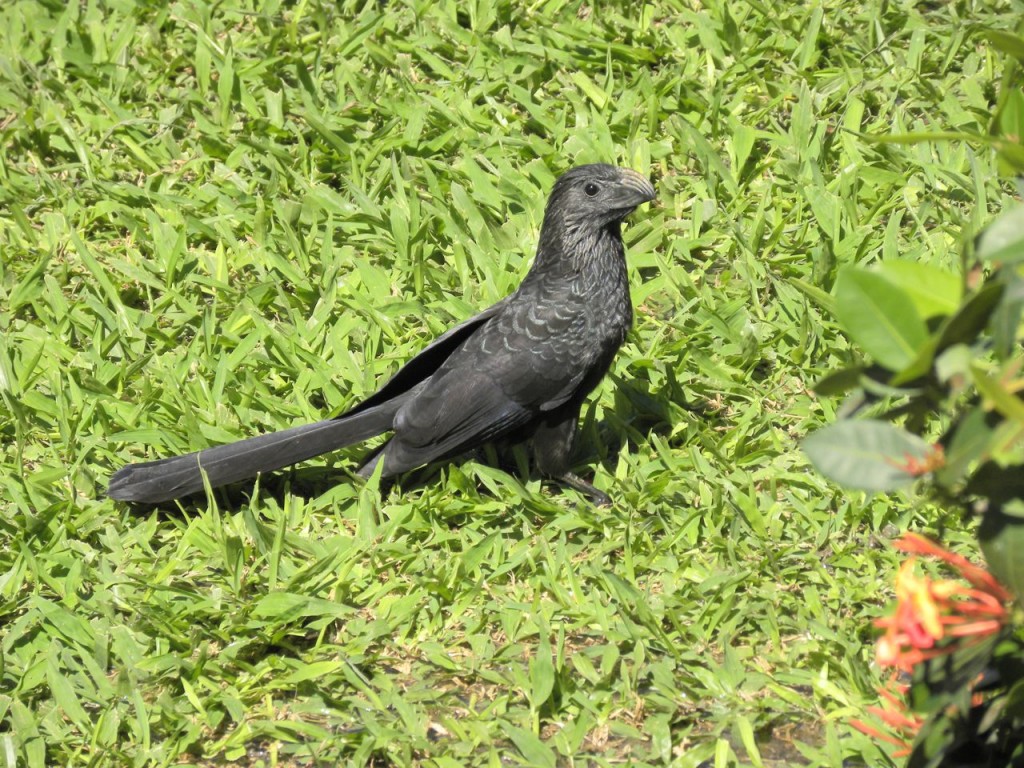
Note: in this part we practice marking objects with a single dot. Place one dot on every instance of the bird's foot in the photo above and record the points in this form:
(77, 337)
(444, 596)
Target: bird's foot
(600, 498)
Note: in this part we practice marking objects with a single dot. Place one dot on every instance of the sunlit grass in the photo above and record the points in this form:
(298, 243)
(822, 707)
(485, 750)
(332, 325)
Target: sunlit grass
(217, 221)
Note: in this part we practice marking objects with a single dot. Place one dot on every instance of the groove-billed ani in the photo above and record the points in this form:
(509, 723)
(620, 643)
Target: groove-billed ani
(518, 370)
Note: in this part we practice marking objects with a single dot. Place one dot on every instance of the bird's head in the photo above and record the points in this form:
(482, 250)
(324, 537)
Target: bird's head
(594, 196)
(582, 218)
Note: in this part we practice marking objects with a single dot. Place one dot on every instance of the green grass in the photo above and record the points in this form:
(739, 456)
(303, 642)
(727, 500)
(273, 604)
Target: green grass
(221, 220)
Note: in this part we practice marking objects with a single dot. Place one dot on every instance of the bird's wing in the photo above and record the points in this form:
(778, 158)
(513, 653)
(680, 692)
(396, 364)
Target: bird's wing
(542, 351)
(427, 361)
(458, 410)
(530, 358)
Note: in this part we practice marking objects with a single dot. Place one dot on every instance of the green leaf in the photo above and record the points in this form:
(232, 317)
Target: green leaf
(1011, 117)
(1006, 42)
(934, 291)
(746, 733)
(1014, 508)
(1005, 401)
(63, 692)
(536, 752)
(960, 329)
(1002, 241)
(921, 364)
(868, 455)
(880, 317)
(1004, 323)
(1015, 699)
(822, 298)
(590, 88)
(971, 318)
(542, 672)
(970, 444)
(926, 137)
(287, 606)
(1001, 537)
(840, 381)
(1012, 155)
(312, 671)
(953, 366)
(742, 142)
(326, 132)
(31, 285)
(475, 555)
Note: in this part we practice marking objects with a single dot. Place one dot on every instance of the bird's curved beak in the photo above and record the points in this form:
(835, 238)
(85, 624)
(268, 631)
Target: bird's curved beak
(634, 189)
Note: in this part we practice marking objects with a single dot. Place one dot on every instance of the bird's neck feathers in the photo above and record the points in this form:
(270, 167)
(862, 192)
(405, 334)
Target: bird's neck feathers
(572, 247)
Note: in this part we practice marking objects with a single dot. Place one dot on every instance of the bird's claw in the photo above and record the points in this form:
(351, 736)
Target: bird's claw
(599, 497)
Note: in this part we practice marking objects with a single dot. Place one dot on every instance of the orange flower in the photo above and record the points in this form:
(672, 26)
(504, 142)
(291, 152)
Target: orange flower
(981, 579)
(930, 611)
(933, 617)
(903, 726)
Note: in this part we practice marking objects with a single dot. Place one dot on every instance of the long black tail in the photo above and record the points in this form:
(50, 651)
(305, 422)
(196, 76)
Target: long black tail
(155, 481)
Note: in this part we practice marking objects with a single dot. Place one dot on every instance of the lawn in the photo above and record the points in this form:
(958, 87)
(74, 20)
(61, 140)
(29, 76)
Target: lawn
(219, 220)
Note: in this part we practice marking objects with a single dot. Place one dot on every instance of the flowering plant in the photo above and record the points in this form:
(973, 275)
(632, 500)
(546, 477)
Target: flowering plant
(955, 645)
(941, 626)
(944, 388)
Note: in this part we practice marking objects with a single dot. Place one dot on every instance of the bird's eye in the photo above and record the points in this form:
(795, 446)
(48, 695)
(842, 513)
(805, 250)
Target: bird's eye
(591, 189)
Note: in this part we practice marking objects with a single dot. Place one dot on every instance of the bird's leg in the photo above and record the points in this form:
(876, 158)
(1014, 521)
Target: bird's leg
(552, 450)
(600, 498)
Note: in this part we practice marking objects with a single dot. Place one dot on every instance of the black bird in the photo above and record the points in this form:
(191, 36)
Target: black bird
(518, 370)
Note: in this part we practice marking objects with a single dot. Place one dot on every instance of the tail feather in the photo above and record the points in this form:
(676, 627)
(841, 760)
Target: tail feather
(153, 482)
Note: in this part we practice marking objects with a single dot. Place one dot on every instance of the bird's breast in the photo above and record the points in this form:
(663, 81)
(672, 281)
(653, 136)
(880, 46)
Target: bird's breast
(609, 308)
